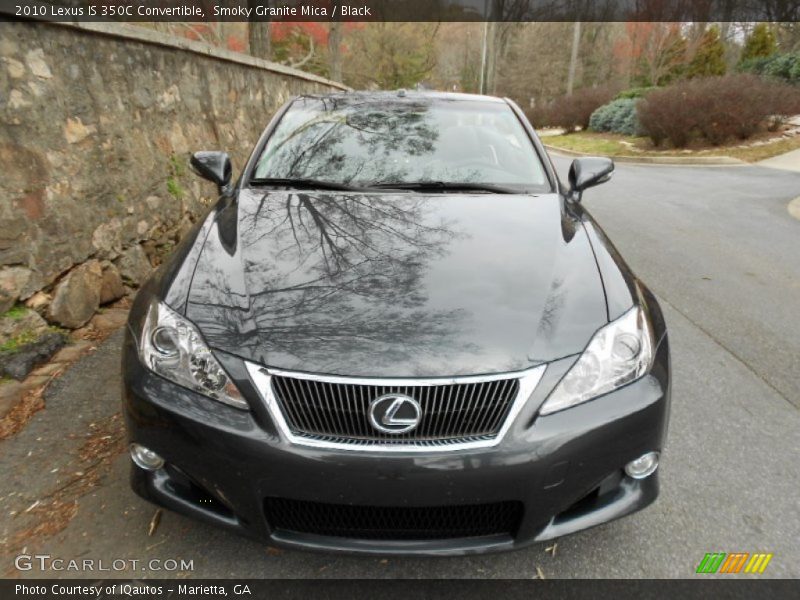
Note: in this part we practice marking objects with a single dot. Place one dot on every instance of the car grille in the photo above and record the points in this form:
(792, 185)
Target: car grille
(450, 413)
(393, 523)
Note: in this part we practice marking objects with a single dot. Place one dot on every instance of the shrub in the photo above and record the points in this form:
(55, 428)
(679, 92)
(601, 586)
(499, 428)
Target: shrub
(637, 92)
(783, 101)
(664, 116)
(618, 116)
(572, 112)
(780, 66)
(784, 66)
(715, 108)
(539, 115)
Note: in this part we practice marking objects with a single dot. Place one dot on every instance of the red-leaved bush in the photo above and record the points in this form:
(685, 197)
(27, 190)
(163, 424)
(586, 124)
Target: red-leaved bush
(571, 112)
(716, 109)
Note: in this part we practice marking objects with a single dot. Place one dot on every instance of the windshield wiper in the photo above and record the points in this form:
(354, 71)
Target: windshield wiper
(306, 184)
(445, 186)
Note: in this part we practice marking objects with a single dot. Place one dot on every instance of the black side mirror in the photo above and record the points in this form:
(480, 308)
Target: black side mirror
(214, 166)
(587, 172)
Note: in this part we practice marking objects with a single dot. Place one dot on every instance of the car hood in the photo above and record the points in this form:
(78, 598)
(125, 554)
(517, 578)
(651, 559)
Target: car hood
(397, 284)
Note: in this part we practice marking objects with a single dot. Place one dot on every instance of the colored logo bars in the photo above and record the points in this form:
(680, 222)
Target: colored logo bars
(736, 562)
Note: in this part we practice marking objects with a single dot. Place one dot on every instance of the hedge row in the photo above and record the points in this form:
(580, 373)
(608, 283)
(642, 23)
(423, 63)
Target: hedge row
(716, 109)
(571, 112)
(713, 109)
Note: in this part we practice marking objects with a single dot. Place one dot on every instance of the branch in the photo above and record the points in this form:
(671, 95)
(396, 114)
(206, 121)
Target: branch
(308, 56)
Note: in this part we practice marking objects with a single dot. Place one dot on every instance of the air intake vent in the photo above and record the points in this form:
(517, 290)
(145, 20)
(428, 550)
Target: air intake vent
(393, 523)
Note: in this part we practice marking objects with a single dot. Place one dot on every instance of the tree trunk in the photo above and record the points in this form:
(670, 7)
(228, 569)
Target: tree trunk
(573, 59)
(335, 50)
(258, 37)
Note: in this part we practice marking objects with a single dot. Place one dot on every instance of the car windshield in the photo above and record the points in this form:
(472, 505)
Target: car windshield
(391, 140)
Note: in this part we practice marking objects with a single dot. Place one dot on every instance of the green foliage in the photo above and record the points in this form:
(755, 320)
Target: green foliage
(174, 188)
(14, 344)
(618, 116)
(709, 59)
(786, 66)
(27, 337)
(15, 312)
(178, 165)
(780, 66)
(759, 44)
(178, 169)
(637, 92)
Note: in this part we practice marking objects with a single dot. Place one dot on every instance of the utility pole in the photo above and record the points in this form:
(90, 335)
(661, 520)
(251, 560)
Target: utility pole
(573, 60)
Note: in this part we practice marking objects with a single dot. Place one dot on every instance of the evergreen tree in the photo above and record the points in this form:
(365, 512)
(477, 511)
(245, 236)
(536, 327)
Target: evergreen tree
(710, 56)
(759, 44)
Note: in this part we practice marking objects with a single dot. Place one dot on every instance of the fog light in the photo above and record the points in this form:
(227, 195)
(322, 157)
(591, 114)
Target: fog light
(146, 458)
(642, 467)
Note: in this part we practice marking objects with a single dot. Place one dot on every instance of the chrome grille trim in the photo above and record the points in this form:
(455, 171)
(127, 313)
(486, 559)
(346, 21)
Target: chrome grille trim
(336, 410)
(262, 380)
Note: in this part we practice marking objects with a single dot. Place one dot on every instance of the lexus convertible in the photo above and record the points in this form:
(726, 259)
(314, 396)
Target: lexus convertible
(397, 332)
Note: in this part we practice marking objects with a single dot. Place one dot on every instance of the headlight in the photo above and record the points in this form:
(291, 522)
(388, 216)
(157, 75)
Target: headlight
(172, 347)
(617, 354)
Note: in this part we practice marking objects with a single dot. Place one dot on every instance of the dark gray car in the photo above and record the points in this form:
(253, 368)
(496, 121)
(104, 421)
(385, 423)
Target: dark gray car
(397, 332)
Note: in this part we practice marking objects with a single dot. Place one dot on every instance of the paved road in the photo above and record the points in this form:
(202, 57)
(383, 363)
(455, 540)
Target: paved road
(716, 245)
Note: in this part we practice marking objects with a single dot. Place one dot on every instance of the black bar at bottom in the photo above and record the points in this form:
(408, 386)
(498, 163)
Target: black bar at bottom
(400, 589)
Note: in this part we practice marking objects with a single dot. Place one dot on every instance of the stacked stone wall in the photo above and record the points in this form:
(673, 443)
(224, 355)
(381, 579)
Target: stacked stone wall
(97, 122)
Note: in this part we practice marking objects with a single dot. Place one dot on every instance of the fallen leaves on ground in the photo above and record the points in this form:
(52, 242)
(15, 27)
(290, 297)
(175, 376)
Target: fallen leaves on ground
(51, 517)
(31, 403)
(51, 513)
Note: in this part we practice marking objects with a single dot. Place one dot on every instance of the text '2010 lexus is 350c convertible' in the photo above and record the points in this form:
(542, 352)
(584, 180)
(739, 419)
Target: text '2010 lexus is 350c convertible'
(397, 332)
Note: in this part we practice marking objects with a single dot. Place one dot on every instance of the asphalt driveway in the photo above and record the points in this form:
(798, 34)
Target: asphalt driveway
(718, 247)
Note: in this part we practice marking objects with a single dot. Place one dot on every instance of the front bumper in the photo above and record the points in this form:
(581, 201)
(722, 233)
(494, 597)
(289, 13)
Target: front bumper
(566, 468)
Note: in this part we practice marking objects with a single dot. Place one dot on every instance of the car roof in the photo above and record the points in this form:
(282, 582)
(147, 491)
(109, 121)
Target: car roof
(409, 94)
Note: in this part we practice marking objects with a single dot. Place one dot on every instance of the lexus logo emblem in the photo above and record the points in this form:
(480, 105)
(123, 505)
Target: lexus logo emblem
(394, 413)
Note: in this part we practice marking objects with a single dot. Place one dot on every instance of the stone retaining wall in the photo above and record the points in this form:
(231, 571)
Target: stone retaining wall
(96, 125)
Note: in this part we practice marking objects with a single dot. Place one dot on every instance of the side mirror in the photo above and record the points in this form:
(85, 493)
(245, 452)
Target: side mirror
(214, 166)
(587, 172)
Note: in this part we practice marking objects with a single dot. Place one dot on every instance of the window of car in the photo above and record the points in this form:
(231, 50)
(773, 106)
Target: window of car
(380, 140)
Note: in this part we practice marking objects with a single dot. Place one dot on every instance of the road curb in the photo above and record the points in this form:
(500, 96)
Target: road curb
(794, 208)
(658, 160)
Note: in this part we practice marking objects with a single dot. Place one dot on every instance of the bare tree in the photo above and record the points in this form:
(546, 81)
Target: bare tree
(389, 55)
(458, 57)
